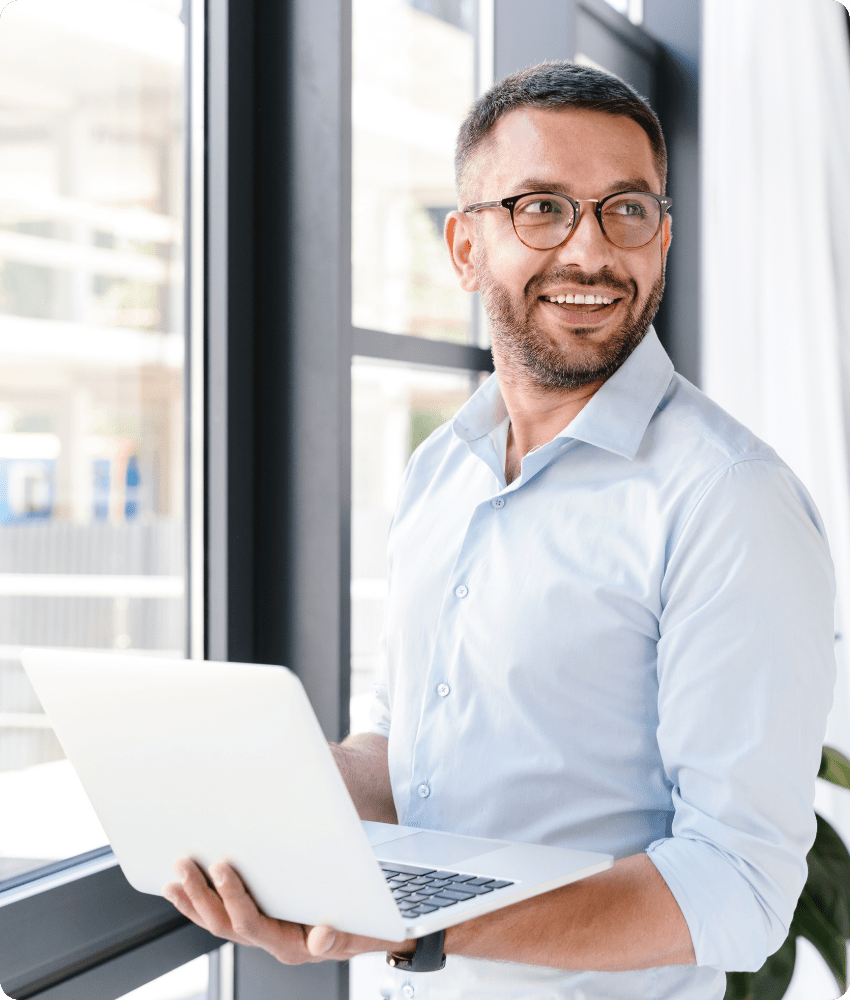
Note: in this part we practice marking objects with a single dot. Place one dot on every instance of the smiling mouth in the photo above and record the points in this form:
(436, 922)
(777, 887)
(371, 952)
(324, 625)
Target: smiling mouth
(581, 303)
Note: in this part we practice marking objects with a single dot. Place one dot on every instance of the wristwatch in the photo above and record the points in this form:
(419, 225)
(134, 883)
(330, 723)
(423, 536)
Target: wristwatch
(428, 955)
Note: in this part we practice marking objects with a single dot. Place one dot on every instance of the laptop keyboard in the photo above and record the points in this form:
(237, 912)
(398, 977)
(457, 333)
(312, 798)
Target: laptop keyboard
(424, 890)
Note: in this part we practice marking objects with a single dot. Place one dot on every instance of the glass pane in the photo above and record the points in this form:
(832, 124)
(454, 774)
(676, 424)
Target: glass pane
(412, 85)
(188, 982)
(92, 533)
(394, 408)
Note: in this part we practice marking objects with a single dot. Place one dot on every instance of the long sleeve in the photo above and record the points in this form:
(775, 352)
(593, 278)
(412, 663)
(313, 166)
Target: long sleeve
(746, 669)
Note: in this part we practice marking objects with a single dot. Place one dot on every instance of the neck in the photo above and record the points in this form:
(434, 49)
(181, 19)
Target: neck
(537, 413)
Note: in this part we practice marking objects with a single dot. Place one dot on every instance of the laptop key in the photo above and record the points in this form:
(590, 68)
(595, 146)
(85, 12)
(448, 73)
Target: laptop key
(442, 901)
(479, 881)
(457, 894)
(461, 878)
(499, 884)
(416, 898)
(428, 908)
(476, 890)
(391, 866)
(443, 874)
(401, 877)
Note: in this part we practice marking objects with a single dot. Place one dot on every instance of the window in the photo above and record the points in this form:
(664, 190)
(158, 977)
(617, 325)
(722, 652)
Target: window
(405, 119)
(633, 9)
(394, 408)
(92, 491)
(93, 452)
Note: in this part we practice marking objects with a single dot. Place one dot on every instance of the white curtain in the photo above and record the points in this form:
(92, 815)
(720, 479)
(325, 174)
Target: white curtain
(775, 93)
(776, 241)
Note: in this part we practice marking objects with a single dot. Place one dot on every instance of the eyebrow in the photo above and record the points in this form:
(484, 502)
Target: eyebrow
(629, 184)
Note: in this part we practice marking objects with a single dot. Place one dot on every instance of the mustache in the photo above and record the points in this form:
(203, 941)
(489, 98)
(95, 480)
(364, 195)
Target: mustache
(576, 276)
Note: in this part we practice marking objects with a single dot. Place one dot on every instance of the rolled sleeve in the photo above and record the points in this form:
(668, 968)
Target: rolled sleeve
(746, 669)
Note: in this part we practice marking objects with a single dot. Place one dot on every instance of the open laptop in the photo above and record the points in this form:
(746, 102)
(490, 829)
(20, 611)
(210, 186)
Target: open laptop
(226, 761)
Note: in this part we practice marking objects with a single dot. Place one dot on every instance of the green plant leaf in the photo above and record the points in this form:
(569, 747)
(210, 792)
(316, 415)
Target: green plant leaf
(773, 978)
(828, 883)
(834, 767)
(737, 986)
(810, 923)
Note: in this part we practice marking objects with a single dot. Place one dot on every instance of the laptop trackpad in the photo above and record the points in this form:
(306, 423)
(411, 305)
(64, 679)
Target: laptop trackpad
(433, 848)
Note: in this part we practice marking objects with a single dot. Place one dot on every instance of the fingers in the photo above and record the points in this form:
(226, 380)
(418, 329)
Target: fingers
(284, 940)
(194, 898)
(227, 910)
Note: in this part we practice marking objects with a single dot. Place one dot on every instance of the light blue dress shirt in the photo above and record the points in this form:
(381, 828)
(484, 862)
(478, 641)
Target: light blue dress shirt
(628, 649)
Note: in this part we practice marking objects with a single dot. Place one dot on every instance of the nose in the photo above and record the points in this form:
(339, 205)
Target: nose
(587, 245)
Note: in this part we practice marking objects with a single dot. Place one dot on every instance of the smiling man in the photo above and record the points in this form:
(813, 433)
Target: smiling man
(610, 617)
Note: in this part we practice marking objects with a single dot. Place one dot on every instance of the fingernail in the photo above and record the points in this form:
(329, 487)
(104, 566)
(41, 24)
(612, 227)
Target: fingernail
(217, 875)
(329, 944)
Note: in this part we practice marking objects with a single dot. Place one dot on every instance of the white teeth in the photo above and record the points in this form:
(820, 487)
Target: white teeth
(588, 300)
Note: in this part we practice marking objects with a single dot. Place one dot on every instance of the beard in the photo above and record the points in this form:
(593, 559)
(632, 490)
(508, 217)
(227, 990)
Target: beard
(536, 356)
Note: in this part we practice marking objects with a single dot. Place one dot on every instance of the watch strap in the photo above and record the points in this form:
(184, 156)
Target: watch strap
(428, 956)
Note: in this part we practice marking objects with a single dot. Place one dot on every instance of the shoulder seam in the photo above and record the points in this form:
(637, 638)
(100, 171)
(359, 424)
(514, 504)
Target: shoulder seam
(731, 464)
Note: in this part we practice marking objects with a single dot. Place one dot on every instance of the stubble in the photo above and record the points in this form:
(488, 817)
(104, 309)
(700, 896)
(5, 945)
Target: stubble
(534, 356)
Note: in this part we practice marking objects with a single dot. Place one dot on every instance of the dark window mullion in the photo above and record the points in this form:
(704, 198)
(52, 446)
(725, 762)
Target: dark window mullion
(76, 921)
(419, 350)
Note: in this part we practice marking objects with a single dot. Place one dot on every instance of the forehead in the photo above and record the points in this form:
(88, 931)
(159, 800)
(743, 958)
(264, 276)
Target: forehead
(581, 151)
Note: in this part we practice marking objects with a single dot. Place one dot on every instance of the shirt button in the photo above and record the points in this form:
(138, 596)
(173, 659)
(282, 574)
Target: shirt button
(407, 991)
(443, 690)
(424, 791)
(497, 502)
(461, 591)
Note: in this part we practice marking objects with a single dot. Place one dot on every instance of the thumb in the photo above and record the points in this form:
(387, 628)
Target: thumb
(321, 940)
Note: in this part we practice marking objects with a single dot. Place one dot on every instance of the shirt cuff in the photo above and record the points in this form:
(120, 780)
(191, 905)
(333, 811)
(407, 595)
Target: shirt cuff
(731, 929)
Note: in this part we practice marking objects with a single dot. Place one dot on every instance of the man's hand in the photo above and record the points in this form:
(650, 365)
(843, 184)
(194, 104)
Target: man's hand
(227, 910)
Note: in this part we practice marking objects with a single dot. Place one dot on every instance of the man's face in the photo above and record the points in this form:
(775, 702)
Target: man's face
(584, 154)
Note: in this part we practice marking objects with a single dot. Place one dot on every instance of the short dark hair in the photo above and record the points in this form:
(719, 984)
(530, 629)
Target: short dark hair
(557, 86)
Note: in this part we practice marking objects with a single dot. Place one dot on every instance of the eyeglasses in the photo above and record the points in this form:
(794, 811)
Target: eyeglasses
(543, 220)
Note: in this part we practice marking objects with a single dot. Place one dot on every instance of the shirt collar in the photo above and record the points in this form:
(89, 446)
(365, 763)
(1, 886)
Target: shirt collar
(616, 416)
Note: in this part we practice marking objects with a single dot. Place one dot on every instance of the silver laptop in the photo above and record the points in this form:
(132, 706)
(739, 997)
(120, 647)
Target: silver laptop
(226, 761)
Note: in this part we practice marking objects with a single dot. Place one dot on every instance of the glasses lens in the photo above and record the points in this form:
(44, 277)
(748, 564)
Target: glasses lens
(631, 219)
(543, 221)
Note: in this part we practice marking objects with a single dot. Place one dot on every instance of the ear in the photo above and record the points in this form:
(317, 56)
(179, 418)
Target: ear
(459, 234)
(666, 236)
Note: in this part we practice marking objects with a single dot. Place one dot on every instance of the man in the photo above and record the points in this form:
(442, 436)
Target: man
(610, 620)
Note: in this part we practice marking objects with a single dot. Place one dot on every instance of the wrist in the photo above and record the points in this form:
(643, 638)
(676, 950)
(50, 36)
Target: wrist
(427, 954)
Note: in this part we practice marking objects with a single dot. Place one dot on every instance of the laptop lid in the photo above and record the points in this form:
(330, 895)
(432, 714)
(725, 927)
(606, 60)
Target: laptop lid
(216, 761)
